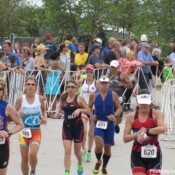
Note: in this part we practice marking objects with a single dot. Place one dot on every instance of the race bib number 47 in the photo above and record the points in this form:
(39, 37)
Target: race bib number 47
(26, 133)
(101, 124)
(149, 151)
(2, 140)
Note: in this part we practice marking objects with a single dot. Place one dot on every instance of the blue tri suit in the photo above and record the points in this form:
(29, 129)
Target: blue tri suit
(102, 110)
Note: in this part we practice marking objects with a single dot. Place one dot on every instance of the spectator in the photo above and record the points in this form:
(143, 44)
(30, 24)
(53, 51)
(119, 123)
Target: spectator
(125, 47)
(143, 39)
(95, 60)
(41, 66)
(2, 58)
(52, 47)
(7, 47)
(145, 57)
(82, 56)
(17, 48)
(72, 48)
(35, 45)
(28, 62)
(156, 56)
(172, 55)
(106, 50)
(167, 71)
(112, 53)
(53, 83)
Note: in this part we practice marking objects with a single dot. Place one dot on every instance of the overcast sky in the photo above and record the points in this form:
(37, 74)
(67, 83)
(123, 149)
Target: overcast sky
(37, 2)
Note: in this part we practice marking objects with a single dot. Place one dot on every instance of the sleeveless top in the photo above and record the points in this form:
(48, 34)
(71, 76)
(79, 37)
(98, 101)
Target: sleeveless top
(3, 117)
(32, 112)
(69, 108)
(150, 123)
(86, 89)
(104, 108)
(113, 85)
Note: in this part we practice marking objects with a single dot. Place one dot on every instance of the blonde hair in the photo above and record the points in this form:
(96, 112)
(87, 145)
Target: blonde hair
(130, 55)
(4, 86)
(31, 78)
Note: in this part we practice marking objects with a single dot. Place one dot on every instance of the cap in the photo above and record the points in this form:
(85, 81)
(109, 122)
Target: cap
(89, 67)
(146, 45)
(104, 79)
(95, 47)
(99, 40)
(144, 99)
(143, 38)
(114, 63)
(48, 35)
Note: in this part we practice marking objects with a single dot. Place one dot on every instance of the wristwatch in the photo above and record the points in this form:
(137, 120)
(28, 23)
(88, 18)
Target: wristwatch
(147, 130)
(9, 132)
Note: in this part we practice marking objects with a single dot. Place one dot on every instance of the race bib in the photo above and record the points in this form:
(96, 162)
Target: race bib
(26, 133)
(101, 124)
(149, 151)
(2, 140)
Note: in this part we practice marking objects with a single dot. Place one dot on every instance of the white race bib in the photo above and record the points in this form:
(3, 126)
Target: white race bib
(26, 133)
(2, 140)
(149, 151)
(101, 124)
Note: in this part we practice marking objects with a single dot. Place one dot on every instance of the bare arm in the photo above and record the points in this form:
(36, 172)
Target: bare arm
(161, 128)
(12, 113)
(126, 81)
(91, 101)
(85, 108)
(127, 136)
(117, 103)
(43, 109)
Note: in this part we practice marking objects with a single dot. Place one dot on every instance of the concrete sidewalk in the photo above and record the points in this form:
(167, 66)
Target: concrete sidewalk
(50, 159)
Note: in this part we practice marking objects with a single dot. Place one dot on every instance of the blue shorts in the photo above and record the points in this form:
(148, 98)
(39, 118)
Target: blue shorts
(107, 134)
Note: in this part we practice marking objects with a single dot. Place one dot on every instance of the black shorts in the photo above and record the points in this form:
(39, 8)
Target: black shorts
(4, 155)
(73, 131)
(146, 165)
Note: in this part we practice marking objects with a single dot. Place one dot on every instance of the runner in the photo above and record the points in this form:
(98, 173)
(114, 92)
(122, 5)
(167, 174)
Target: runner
(147, 124)
(105, 118)
(73, 129)
(87, 86)
(33, 112)
(7, 111)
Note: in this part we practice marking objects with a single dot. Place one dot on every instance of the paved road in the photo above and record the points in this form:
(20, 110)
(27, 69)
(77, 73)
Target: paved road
(51, 154)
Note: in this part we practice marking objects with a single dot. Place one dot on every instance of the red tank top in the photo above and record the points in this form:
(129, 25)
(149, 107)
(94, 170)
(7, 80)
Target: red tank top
(150, 123)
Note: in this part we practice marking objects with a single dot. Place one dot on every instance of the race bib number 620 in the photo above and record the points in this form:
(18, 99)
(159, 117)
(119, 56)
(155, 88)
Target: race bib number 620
(101, 124)
(149, 151)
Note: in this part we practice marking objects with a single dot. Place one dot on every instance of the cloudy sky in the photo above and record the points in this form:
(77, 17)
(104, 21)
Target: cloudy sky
(37, 2)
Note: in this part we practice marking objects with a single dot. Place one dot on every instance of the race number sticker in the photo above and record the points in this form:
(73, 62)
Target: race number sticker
(101, 124)
(26, 133)
(149, 151)
(2, 140)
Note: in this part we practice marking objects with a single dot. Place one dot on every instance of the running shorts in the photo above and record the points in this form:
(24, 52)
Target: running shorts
(4, 155)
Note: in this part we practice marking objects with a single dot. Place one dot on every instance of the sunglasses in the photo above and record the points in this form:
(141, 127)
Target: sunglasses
(104, 82)
(89, 72)
(31, 84)
(1, 89)
(71, 87)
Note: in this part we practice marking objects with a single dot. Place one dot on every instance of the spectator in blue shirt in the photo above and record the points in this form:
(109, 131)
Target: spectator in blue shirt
(7, 47)
(145, 73)
(107, 49)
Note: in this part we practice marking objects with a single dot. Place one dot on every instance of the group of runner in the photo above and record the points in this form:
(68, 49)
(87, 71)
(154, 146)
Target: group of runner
(90, 106)
(96, 104)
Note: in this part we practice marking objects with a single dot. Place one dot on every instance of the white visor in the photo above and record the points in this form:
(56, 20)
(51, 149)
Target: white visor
(104, 79)
(144, 99)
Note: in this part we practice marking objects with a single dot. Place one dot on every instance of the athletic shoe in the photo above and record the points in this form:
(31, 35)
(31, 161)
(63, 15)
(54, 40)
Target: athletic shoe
(88, 157)
(104, 172)
(97, 167)
(66, 173)
(80, 170)
(83, 155)
(32, 173)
